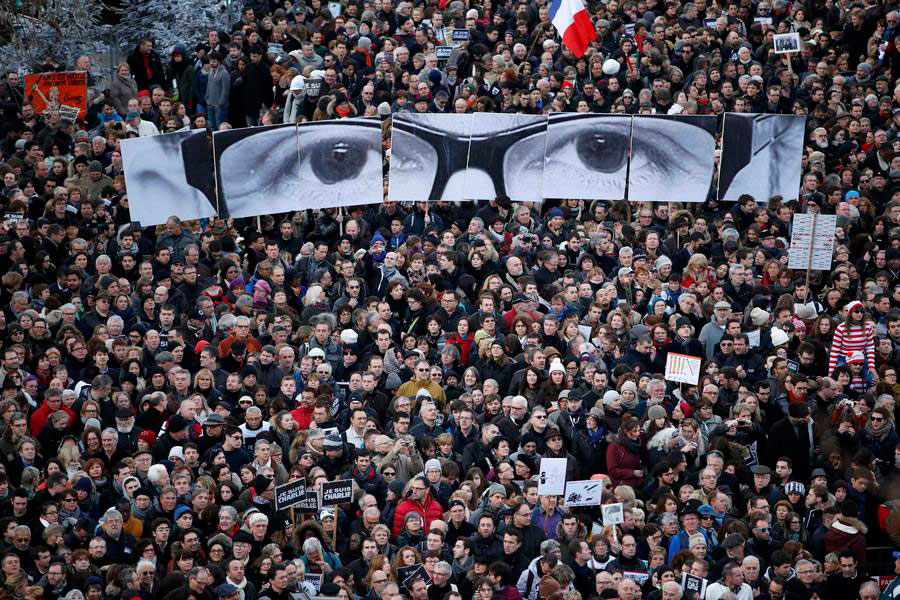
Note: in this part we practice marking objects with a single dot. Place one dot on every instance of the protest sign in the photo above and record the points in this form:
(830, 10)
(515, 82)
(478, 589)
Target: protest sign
(290, 494)
(637, 576)
(337, 492)
(692, 584)
(682, 368)
(314, 579)
(584, 493)
(552, 481)
(407, 575)
(613, 514)
(787, 42)
(812, 242)
(310, 502)
(65, 92)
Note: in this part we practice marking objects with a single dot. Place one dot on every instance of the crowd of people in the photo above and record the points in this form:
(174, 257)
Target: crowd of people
(158, 384)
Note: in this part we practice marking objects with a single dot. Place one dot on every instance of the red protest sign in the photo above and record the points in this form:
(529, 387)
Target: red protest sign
(65, 92)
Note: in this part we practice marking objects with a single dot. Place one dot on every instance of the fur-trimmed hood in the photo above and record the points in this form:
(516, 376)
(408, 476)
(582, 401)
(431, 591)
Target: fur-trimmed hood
(849, 525)
(317, 531)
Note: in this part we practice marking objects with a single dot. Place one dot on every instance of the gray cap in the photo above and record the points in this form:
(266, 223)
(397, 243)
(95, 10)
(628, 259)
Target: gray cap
(214, 419)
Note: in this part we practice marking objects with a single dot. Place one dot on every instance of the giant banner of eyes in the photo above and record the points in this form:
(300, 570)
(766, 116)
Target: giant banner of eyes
(506, 156)
(761, 156)
(672, 158)
(586, 156)
(257, 170)
(167, 175)
(429, 156)
(340, 163)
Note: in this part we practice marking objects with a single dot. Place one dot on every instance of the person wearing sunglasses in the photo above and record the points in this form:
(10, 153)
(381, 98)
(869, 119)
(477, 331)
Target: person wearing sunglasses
(880, 436)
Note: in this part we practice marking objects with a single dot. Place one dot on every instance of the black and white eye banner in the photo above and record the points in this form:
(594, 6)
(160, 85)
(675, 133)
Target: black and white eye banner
(457, 157)
(257, 170)
(672, 158)
(586, 156)
(761, 156)
(167, 175)
(429, 155)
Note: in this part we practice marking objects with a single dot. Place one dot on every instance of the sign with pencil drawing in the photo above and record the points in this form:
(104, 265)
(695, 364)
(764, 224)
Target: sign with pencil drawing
(584, 493)
(613, 514)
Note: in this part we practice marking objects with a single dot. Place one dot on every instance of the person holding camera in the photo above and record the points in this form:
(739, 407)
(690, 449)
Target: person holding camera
(742, 429)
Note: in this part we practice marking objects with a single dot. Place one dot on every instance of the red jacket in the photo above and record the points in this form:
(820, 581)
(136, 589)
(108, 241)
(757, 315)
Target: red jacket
(430, 509)
(463, 344)
(42, 415)
(621, 464)
(303, 416)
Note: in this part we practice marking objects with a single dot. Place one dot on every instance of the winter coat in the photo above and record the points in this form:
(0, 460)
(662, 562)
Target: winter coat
(121, 90)
(406, 465)
(184, 82)
(430, 510)
(144, 80)
(486, 549)
(882, 449)
(371, 481)
(621, 463)
(784, 441)
(257, 89)
(847, 533)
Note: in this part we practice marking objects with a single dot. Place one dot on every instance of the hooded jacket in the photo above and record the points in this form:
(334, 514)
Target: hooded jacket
(847, 533)
(430, 509)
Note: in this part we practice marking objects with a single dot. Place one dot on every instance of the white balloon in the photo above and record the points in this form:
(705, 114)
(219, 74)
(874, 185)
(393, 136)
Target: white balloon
(611, 66)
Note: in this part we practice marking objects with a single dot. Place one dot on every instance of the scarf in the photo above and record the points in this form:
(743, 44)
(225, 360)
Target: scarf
(880, 433)
(629, 405)
(366, 54)
(633, 446)
(240, 586)
(461, 568)
(147, 68)
(141, 514)
(388, 273)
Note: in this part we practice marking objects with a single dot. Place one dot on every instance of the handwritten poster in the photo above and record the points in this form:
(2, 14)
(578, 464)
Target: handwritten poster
(812, 242)
(65, 92)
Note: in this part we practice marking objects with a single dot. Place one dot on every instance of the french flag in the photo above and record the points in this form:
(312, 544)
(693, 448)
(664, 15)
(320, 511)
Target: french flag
(571, 19)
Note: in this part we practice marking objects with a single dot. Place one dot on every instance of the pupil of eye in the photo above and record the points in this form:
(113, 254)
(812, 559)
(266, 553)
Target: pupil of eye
(337, 162)
(599, 152)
